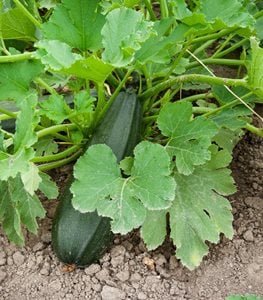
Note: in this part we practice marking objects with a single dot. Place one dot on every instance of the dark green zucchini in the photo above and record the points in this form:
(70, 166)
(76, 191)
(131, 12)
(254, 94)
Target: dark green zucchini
(81, 238)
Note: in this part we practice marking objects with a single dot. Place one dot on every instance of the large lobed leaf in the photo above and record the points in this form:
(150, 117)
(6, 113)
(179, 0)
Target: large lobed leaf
(98, 185)
(199, 211)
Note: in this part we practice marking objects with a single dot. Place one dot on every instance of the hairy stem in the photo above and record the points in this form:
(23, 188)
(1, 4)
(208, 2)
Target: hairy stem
(192, 78)
(16, 57)
(58, 156)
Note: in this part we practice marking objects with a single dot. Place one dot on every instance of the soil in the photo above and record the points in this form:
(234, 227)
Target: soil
(128, 271)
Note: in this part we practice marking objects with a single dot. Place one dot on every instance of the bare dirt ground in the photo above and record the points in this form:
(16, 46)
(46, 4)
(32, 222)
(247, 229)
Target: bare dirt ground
(128, 271)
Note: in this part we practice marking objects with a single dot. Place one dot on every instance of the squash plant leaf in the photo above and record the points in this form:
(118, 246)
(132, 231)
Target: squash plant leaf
(55, 108)
(18, 207)
(255, 69)
(15, 163)
(90, 68)
(200, 212)
(47, 186)
(15, 78)
(16, 26)
(248, 297)
(51, 51)
(77, 23)
(153, 230)
(24, 138)
(25, 135)
(121, 42)
(230, 12)
(98, 185)
(189, 139)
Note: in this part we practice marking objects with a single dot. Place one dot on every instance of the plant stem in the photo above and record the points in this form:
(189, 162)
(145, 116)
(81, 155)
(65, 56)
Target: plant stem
(255, 130)
(194, 78)
(164, 9)
(58, 156)
(11, 114)
(217, 61)
(60, 163)
(196, 97)
(230, 49)
(113, 96)
(203, 46)
(215, 35)
(202, 110)
(26, 13)
(16, 57)
(41, 82)
(148, 5)
(54, 129)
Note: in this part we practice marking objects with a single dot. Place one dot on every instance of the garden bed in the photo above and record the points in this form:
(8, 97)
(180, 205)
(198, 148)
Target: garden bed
(128, 271)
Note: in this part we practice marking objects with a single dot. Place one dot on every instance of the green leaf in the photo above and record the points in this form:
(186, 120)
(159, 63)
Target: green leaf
(189, 140)
(16, 26)
(121, 42)
(25, 135)
(180, 10)
(248, 297)
(77, 23)
(51, 53)
(15, 78)
(124, 209)
(83, 109)
(255, 69)
(91, 68)
(200, 212)
(15, 163)
(150, 176)
(18, 207)
(45, 146)
(31, 179)
(47, 186)
(55, 108)
(230, 12)
(153, 230)
(96, 173)
(98, 185)
(227, 139)
(156, 48)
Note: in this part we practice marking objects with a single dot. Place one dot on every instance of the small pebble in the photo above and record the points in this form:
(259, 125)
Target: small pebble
(141, 296)
(18, 258)
(92, 269)
(2, 276)
(123, 275)
(118, 250)
(112, 293)
(38, 247)
(248, 236)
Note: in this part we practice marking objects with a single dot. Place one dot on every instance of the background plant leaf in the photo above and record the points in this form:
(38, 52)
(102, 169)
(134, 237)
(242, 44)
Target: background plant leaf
(121, 42)
(15, 78)
(77, 23)
(16, 26)
(18, 207)
(189, 140)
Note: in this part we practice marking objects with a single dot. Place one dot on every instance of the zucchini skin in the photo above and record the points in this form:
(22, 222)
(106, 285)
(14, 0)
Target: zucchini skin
(81, 238)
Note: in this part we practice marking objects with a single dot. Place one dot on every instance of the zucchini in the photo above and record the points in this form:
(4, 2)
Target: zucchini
(81, 238)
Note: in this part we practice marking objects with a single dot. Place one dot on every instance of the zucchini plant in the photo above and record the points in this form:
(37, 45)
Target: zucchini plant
(64, 66)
